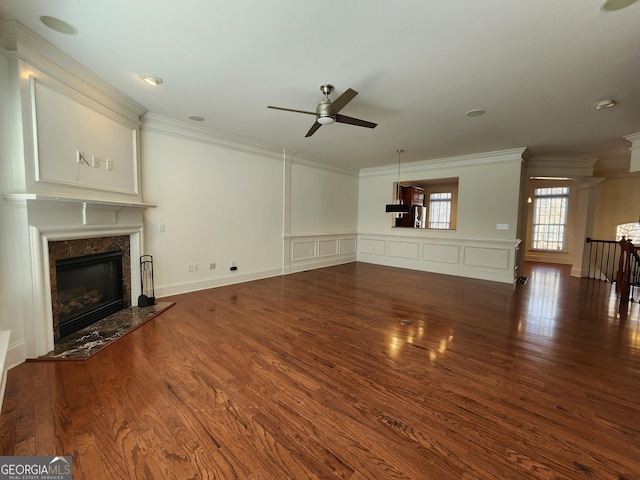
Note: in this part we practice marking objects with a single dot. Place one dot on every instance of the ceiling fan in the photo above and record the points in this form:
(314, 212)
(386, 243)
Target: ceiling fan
(327, 111)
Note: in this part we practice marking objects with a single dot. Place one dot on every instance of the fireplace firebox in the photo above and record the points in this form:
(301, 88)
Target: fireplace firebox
(89, 288)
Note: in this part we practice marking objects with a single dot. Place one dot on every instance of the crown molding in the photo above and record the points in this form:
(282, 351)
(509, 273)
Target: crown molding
(569, 167)
(473, 160)
(156, 123)
(37, 52)
(634, 138)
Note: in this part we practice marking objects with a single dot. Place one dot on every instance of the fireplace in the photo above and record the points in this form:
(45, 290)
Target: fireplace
(90, 280)
(89, 288)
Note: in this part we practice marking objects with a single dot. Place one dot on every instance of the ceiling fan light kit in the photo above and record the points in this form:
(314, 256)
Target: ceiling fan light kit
(152, 80)
(327, 111)
(326, 120)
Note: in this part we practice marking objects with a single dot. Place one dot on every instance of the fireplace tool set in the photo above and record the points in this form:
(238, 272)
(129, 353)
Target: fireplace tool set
(147, 294)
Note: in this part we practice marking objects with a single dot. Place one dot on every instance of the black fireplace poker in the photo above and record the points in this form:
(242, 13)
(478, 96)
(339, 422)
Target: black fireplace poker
(147, 296)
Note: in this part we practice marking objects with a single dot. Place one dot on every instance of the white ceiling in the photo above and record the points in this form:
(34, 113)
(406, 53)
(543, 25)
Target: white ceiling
(538, 67)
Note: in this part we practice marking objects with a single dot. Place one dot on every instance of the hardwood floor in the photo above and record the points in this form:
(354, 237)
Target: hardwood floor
(352, 372)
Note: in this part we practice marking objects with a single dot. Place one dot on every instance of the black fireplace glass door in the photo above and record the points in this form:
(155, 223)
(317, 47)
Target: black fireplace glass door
(89, 288)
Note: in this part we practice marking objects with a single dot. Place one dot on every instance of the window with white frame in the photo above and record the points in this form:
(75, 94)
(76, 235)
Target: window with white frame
(440, 210)
(550, 208)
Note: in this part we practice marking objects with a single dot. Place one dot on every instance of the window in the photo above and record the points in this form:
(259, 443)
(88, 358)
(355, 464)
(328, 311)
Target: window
(440, 210)
(549, 218)
(630, 231)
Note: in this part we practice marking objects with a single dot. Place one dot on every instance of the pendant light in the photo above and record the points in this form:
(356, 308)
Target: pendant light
(398, 207)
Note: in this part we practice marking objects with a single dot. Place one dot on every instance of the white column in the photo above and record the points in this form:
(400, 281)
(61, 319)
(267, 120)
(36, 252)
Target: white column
(587, 189)
(286, 212)
(635, 151)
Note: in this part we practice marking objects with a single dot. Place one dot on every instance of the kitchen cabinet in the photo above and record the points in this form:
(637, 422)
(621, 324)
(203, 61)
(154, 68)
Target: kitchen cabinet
(413, 196)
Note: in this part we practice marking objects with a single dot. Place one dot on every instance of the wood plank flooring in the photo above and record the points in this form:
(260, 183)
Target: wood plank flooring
(350, 372)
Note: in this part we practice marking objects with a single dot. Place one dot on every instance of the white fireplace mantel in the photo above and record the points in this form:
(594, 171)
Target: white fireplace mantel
(23, 197)
(94, 212)
(52, 218)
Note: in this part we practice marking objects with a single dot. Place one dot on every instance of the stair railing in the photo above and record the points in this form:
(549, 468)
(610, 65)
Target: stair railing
(628, 275)
(604, 256)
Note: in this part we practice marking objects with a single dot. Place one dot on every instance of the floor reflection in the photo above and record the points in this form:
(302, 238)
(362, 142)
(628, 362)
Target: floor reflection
(556, 305)
(542, 306)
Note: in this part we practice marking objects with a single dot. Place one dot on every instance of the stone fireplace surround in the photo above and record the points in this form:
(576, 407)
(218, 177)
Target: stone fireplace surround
(55, 219)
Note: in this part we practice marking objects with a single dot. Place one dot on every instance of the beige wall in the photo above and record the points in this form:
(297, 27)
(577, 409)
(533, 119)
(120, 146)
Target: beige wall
(618, 202)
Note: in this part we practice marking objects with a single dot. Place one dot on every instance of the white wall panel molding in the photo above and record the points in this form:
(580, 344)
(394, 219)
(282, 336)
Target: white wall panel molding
(403, 249)
(329, 247)
(486, 257)
(310, 251)
(67, 125)
(39, 53)
(348, 245)
(441, 253)
(475, 258)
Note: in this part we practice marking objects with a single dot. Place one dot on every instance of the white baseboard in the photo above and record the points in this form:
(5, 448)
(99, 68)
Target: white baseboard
(4, 349)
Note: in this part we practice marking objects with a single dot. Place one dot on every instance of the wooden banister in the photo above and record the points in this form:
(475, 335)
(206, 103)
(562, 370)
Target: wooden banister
(628, 271)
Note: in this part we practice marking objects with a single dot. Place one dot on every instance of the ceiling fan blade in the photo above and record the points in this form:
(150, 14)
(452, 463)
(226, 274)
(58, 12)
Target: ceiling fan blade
(313, 129)
(339, 103)
(292, 110)
(355, 121)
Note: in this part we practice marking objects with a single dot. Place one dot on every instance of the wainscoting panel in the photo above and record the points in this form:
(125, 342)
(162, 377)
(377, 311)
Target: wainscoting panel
(327, 248)
(485, 259)
(348, 245)
(317, 251)
(372, 246)
(436, 252)
(409, 250)
(303, 250)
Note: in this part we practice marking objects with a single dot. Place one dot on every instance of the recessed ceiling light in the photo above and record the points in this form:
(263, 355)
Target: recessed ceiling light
(475, 113)
(151, 79)
(58, 25)
(613, 5)
(605, 104)
(196, 118)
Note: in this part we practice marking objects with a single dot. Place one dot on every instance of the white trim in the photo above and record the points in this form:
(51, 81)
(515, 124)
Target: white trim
(485, 259)
(167, 126)
(487, 158)
(54, 62)
(4, 349)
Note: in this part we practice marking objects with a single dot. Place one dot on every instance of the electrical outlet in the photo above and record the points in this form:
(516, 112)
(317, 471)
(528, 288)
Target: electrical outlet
(502, 226)
(212, 266)
(109, 164)
(196, 267)
(95, 161)
(190, 267)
